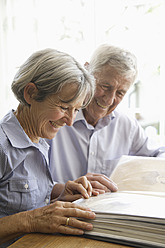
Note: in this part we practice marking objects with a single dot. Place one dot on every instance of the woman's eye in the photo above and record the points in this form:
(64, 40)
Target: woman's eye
(63, 108)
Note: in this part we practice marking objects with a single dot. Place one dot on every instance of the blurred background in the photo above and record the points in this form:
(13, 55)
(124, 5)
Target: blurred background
(78, 27)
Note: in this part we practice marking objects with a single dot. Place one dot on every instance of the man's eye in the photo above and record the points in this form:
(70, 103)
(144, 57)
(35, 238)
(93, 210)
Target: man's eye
(121, 94)
(104, 87)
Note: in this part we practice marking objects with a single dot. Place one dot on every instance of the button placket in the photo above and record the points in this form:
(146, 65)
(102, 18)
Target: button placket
(47, 201)
(92, 153)
(26, 186)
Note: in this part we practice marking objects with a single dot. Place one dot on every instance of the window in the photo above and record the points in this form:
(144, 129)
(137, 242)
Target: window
(78, 27)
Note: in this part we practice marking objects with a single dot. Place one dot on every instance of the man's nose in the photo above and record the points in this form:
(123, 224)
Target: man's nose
(109, 98)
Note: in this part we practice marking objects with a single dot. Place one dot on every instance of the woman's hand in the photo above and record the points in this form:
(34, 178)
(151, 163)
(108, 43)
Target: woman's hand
(101, 183)
(60, 217)
(74, 190)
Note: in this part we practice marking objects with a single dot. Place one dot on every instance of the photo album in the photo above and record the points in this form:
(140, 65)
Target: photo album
(135, 214)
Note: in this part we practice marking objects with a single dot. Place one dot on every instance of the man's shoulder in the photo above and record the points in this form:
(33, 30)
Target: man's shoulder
(124, 117)
(124, 114)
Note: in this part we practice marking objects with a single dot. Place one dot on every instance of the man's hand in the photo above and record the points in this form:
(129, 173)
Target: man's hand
(101, 183)
(76, 189)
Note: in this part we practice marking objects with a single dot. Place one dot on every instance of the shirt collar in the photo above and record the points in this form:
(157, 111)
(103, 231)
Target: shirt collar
(16, 135)
(79, 116)
(105, 121)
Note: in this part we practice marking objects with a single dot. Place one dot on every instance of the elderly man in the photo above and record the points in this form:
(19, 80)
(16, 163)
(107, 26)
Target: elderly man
(101, 134)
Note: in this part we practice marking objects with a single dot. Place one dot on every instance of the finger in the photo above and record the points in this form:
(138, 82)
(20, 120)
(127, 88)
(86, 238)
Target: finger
(86, 184)
(102, 182)
(78, 213)
(89, 189)
(76, 230)
(72, 198)
(73, 205)
(64, 227)
(80, 224)
(73, 222)
(83, 180)
(96, 192)
(93, 175)
(78, 187)
(98, 186)
(71, 231)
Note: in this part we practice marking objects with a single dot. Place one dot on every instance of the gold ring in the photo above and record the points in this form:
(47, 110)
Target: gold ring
(67, 221)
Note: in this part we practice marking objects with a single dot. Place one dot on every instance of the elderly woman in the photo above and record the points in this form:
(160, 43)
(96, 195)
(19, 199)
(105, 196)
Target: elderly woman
(51, 87)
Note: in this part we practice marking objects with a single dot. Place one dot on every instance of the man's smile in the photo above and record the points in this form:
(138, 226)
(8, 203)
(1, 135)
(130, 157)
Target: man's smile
(100, 105)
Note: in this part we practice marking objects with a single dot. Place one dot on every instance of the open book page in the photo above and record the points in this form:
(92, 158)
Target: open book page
(135, 173)
(127, 203)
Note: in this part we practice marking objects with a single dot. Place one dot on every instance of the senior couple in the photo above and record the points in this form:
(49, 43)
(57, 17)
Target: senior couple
(59, 97)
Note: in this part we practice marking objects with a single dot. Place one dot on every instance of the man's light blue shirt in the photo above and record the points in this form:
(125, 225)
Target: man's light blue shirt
(83, 148)
(25, 180)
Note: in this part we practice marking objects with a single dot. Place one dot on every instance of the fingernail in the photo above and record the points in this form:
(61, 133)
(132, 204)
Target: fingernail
(89, 226)
(108, 190)
(92, 214)
(86, 195)
(88, 209)
(80, 232)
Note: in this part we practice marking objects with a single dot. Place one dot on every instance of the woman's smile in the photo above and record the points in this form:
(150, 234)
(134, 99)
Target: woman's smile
(56, 125)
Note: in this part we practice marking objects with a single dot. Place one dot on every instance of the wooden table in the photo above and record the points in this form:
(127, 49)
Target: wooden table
(36, 240)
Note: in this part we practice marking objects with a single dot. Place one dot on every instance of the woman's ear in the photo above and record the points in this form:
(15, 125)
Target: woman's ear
(30, 91)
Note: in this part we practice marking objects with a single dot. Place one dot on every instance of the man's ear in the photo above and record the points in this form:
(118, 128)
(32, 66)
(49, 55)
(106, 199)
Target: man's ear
(86, 65)
(30, 91)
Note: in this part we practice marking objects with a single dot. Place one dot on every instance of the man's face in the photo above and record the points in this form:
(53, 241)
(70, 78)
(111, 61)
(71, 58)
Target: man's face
(110, 90)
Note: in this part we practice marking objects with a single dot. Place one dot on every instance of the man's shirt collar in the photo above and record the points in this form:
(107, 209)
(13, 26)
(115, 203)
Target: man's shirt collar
(103, 122)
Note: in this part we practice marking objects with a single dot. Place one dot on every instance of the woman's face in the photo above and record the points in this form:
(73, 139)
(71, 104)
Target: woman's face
(51, 114)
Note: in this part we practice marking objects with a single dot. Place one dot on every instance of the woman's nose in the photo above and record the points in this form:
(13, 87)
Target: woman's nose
(70, 118)
(69, 121)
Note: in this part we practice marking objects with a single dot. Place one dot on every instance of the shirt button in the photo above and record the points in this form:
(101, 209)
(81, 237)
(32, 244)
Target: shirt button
(26, 186)
(47, 201)
(92, 153)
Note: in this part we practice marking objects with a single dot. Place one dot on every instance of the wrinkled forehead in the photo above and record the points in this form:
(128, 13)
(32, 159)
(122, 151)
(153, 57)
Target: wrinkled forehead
(106, 70)
(109, 74)
(68, 92)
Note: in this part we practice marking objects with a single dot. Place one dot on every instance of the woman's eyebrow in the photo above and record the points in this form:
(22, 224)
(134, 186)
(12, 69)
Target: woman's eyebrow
(69, 102)
(61, 100)
(64, 101)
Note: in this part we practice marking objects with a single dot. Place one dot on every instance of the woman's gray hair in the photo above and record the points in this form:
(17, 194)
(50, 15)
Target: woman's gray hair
(123, 61)
(50, 70)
